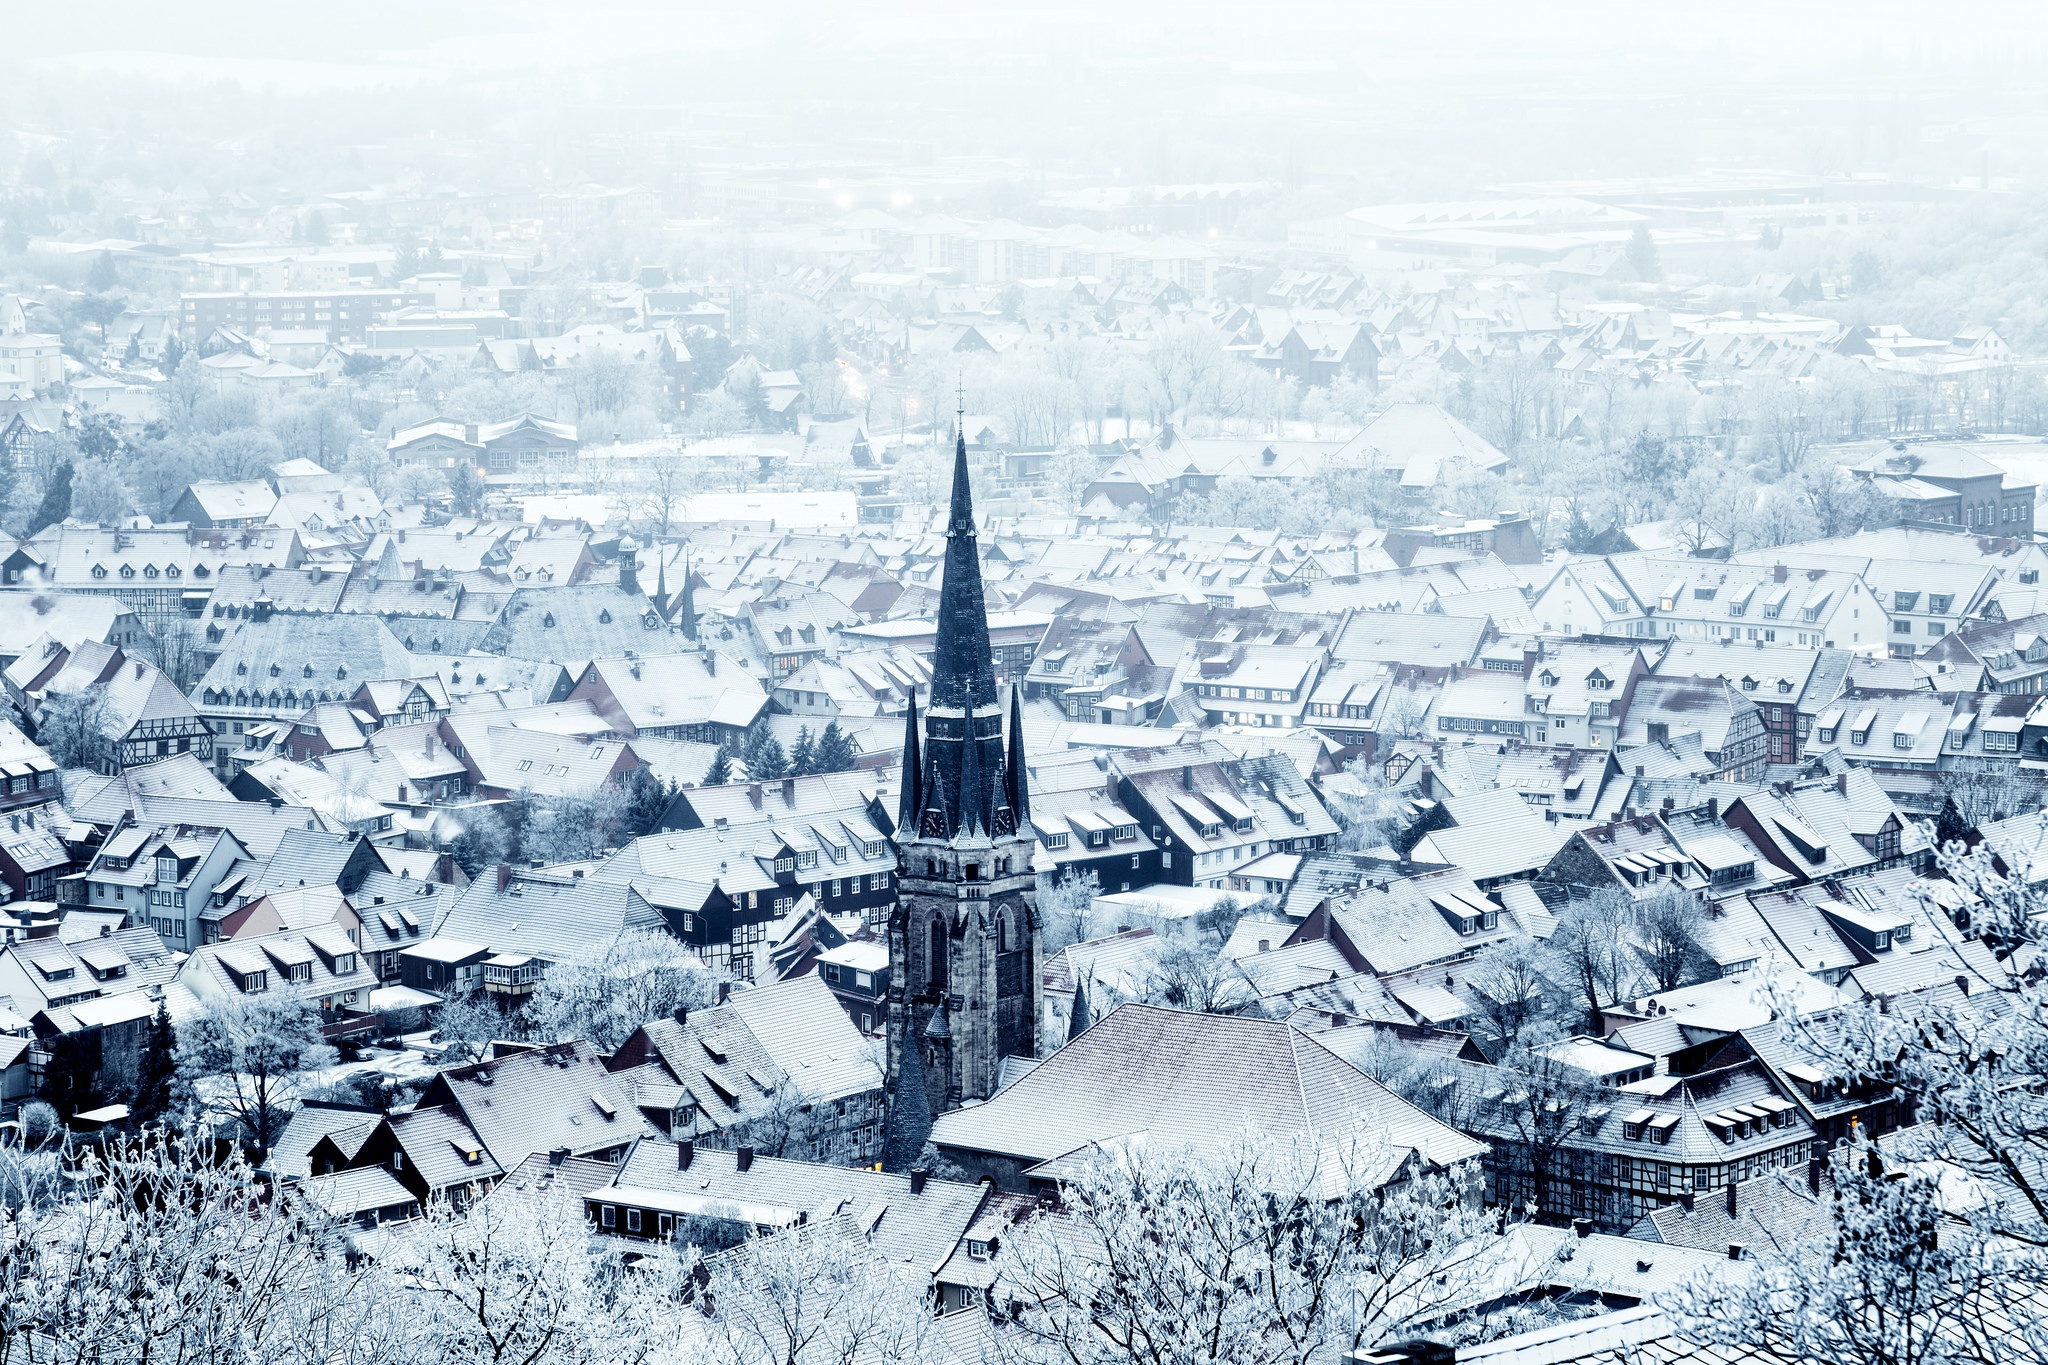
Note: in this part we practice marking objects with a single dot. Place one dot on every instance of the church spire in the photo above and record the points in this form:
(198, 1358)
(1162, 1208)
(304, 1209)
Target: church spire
(963, 666)
(686, 613)
(910, 801)
(1018, 794)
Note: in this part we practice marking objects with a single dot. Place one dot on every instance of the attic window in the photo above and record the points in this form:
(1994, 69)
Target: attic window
(306, 670)
(547, 621)
(341, 670)
(276, 671)
(605, 617)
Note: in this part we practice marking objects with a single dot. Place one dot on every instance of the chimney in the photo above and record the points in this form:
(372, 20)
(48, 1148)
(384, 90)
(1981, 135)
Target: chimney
(1841, 784)
(557, 1155)
(430, 744)
(1713, 808)
(1963, 983)
(1660, 732)
(1685, 1202)
(686, 1152)
(1583, 1227)
(743, 1157)
(1670, 804)
(724, 989)
(711, 663)
(681, 1014)
(1813, 1168)
(918, 1175)
(1187, 777)
(754, 794)
(1731, 1209)
(504, 875)
(1778, 573)
(789, 791)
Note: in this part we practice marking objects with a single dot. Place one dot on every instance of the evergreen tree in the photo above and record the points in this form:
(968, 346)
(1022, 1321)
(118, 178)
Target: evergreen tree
(835, 751)
(103, 278)
(56, 503)
(466, 489)
(152, 1105)
(803, 756)
(721, 768)
(1642, 254)
(763, 756)
(174, 351)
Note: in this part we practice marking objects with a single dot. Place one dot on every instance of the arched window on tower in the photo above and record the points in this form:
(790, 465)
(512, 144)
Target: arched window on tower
(1008, 937)
(935, 956)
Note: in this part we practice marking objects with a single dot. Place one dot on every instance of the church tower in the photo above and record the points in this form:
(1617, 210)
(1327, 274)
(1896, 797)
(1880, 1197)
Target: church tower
(963, 938)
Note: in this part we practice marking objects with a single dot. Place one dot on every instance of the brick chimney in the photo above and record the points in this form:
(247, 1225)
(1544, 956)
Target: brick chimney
(789, 791)
(504, 875)
(1731, 1199)
(686, 1152)
(1778, 573)
(743, 1157)
(918, 1175)
(1842, 784)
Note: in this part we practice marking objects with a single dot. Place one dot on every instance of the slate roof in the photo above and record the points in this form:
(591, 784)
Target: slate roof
(920, 1229)
(551, 918)
(1191, 1078)
(732, 1059)
(571, 625)
(540, 1099)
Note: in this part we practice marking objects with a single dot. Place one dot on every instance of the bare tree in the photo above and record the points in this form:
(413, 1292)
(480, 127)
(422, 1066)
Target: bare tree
(1590, 953)
(247, 1057)
(605, 994)
(1254, 1250)
(1066, 907)
(76, 728)
(814, 1295)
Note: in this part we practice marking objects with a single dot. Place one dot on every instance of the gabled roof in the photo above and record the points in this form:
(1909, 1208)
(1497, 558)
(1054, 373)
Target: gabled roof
(1176, 1077)
(535, 1101)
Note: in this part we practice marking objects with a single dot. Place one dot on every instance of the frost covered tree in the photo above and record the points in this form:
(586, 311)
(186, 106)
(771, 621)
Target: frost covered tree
(605, 994)
(75, 727)
(162, 1250)
(246, 1059)
(1066, 905)
(816, 1295)
(1254, 1250)
(1186, 974)
(1936, 1250)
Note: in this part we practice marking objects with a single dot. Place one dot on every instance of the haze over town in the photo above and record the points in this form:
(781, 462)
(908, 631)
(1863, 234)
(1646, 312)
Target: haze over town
(801, 684)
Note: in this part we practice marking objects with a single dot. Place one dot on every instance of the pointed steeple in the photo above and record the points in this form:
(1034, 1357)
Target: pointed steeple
(686, 612)
(660, 583)
(910, 801)
(976, 813)
(1019, 795)
(963, 666)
